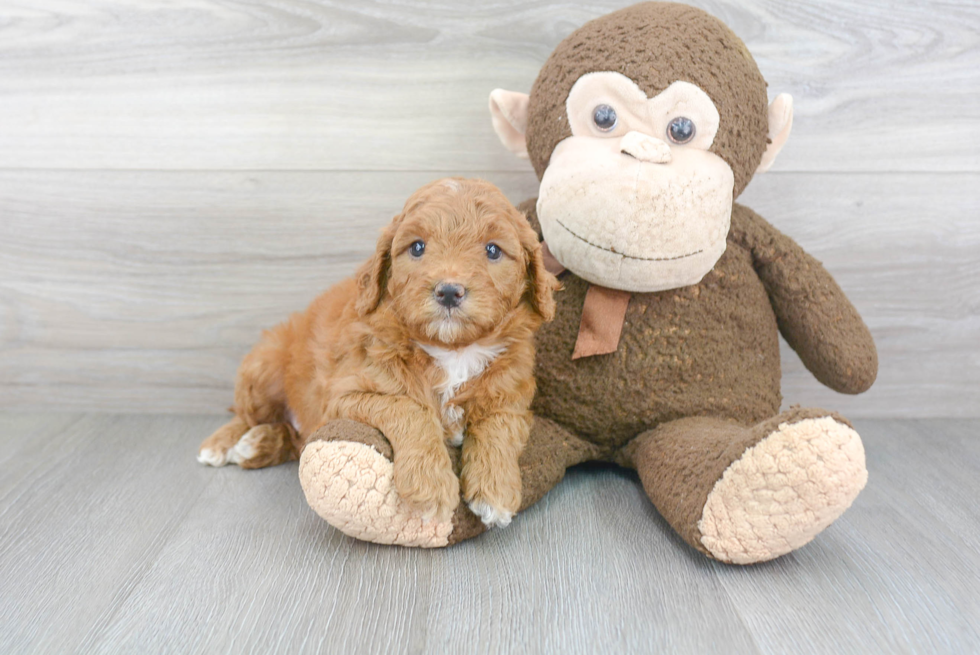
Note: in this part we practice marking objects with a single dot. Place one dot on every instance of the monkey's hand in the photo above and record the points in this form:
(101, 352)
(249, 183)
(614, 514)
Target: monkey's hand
(814, 315)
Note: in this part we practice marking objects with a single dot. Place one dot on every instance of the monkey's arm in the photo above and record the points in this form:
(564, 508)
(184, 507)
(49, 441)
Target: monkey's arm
(814, 315)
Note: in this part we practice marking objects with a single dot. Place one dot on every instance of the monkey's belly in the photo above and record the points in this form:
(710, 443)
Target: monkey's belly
(711, 349)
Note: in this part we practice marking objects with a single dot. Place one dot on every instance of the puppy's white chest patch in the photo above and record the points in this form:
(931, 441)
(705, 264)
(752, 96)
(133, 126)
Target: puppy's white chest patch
(460, 366)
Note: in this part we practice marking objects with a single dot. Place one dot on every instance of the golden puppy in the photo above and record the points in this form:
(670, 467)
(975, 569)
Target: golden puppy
(431, 343)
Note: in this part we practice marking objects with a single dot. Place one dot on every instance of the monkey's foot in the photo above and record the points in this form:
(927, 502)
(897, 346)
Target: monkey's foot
(783, 491)
(349, 485)
(347, 474)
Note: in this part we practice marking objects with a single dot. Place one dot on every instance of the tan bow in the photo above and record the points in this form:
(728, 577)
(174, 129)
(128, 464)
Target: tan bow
(603, 314)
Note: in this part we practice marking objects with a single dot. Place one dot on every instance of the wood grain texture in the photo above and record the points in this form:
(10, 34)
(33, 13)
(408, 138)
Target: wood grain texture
(122, 544)
(112, 301)
(177, 175)
(906, 250)
(71, 512)
(346, 85)
(899, 573)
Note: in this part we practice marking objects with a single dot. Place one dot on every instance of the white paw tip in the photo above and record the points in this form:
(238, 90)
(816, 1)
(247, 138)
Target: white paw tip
(211, 458)
(492, 517)
(456, 439)
(245, 448)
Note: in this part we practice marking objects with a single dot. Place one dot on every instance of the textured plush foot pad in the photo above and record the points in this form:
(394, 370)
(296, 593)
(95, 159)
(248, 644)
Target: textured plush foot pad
(349, 484)
(783, 491)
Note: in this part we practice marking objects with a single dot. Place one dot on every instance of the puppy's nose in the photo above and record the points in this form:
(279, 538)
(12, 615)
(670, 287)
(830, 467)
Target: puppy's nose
(449, 294)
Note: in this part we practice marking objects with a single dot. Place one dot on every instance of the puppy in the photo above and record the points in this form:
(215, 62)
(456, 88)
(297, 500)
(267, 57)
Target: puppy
(431, 343)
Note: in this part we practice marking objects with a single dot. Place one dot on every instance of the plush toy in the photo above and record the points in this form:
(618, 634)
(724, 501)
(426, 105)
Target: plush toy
(643, 127)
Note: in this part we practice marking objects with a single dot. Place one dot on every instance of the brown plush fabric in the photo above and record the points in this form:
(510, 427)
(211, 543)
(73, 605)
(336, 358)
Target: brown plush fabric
(813, 313)
(679, 462)
(711, 349)
(466, 525)
(550, 450)
(695, 379)
(656, 44)
(697, 372)
(347, 430)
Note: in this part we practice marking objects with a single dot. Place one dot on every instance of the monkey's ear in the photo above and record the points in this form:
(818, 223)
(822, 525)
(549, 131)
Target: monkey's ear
(372, 276)
(780, 123)
(508, 110)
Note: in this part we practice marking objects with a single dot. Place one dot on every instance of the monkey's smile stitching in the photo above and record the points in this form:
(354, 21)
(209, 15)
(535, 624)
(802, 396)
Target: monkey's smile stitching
(621, 254)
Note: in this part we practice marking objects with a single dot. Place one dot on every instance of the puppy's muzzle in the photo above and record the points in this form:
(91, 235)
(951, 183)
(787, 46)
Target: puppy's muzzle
(449, 294)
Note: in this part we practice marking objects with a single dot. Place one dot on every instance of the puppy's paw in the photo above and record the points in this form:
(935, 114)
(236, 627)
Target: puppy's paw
(492, 517)
(492, 493)
(220, 452)
(427, 483)
(453, 416)
(212, 457)
(215, 449)
(456, 439)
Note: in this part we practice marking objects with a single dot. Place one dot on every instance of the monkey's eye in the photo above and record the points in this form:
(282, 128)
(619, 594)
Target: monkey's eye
(493, 252)
(417, 248)
(681, 130)
(604, 117)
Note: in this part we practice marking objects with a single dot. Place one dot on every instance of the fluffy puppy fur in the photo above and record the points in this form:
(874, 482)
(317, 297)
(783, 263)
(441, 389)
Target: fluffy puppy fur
(389, 349)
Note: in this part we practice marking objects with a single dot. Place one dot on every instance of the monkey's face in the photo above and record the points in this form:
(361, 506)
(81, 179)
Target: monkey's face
(634, 200)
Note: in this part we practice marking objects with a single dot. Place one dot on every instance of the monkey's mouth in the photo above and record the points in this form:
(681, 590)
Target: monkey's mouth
(623, 254)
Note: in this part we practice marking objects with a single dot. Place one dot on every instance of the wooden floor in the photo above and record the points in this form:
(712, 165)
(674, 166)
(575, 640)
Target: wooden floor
(177, 175)
(114, 540)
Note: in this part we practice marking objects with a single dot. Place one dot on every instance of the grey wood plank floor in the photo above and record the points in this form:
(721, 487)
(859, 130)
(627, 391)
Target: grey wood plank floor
(113, 539)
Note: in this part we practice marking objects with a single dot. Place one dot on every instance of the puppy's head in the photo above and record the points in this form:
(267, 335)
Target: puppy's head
(456, 262)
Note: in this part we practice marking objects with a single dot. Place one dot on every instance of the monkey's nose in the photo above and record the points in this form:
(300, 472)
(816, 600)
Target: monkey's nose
(449, 294)
(645, 148)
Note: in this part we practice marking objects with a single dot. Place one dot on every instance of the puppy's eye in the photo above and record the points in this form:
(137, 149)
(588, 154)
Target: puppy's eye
(681, 130)
(604, 117)
(493, 251)
(417, 248)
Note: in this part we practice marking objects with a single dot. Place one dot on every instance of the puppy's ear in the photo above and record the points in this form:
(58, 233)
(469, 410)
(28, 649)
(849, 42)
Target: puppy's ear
(372, 276)
(541, 284)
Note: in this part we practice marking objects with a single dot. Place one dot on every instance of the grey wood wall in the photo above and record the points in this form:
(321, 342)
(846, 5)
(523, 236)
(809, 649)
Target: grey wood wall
(177, 174)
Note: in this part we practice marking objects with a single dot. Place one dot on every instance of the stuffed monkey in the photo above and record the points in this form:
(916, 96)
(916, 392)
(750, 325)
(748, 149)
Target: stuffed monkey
(643, 127)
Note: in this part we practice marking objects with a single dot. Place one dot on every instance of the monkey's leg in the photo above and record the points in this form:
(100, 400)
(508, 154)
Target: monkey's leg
(346, 473)
(745, 495)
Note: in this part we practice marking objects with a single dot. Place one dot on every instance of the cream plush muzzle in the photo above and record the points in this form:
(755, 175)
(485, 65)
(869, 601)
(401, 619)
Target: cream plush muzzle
(639, 226)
